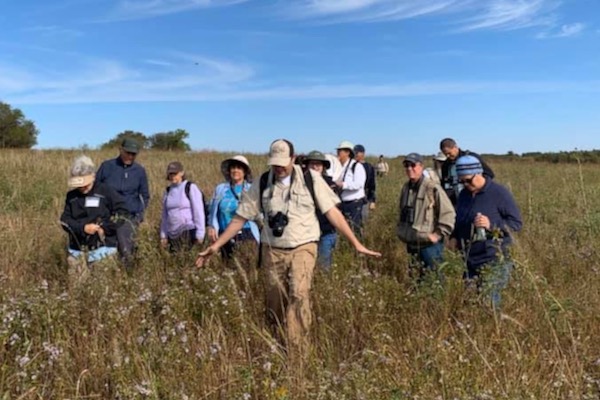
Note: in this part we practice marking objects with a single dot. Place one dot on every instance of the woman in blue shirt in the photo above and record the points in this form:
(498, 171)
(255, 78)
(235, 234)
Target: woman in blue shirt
(226, 197)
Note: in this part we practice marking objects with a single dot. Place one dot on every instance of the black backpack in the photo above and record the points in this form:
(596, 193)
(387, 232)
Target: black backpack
(205, 201)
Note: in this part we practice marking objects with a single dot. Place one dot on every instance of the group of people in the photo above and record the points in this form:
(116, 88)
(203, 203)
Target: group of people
(292, 213)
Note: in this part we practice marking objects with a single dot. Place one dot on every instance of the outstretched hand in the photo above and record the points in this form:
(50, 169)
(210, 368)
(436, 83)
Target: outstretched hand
(363, 250)
(204, 256)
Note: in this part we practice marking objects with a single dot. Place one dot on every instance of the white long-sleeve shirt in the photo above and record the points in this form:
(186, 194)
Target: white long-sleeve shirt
(354, 182)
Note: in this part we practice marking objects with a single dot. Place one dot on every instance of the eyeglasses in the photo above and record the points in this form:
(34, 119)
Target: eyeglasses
(409, 165)
(468, 181)
(130, 153)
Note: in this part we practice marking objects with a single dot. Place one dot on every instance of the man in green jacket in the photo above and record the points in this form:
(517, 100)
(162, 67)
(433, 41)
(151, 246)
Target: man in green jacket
(426, 217)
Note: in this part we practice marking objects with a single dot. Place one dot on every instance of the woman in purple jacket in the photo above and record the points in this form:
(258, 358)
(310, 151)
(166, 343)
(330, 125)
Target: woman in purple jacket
(182, 223)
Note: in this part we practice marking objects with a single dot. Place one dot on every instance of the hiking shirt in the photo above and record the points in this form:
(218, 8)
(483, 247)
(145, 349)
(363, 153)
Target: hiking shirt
(498, 204)
(180, 213)
(449, 176)
(130, 181)
(354, 178)
(293, 200)
(432, 212)
(224, 204)
(101, 205)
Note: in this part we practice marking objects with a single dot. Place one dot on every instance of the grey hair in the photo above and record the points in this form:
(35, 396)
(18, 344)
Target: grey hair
(82, 166)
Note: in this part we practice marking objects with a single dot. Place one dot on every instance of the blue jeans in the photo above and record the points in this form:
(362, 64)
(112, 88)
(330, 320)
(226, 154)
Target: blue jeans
(425, 259)
(492, 279)
(326, 246)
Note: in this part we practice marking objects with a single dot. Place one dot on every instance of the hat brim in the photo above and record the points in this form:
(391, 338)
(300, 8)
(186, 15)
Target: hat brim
(226, 164)
(279, 161)
(80, 181)
(129, 149)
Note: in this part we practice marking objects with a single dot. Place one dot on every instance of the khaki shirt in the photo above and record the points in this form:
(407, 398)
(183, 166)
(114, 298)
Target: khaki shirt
(296, 200)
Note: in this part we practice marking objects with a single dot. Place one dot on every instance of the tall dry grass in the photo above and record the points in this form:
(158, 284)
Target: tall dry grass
(171, 331)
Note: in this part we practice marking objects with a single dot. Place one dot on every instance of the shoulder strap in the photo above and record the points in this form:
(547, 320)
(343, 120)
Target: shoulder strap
(264, 181)
(188, 184)
(310, 184)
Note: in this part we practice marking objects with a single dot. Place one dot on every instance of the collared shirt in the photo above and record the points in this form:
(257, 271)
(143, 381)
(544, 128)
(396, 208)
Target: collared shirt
(354, 181)
(294, 200)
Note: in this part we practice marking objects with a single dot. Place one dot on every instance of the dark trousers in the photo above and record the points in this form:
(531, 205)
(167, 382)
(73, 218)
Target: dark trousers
(185, 241)
(126, 236)
(352, 211)
(229, 247)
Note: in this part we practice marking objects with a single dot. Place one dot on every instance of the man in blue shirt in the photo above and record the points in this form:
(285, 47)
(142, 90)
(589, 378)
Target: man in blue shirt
(486, 216)
(129, 179)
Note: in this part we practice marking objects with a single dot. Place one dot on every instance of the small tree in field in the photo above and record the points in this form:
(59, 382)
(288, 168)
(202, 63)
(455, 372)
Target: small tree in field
(117, 140)
(172, 140)
(15, 130)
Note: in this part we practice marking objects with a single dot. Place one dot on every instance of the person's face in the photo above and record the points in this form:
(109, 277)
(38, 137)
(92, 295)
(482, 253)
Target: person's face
(127, 157)
(413, 171)
(451, 152)
(343, 154)
(316, 166)
(176, 177)
(472, 183)
(86, 189)
(359, 156)
(236, 172)
(283, 172)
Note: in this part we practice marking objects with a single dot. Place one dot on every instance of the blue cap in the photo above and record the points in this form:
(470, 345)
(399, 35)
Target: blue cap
(359, 148)
(468, 165)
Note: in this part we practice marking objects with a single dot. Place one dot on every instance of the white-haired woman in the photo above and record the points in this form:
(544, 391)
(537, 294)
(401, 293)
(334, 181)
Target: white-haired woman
(226, 197)
(90, 217)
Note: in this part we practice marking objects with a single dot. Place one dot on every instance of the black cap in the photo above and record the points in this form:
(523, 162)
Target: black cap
(130, 145)
(414, 158)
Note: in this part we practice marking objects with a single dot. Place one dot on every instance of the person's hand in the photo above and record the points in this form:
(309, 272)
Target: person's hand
(340, 184)
(212, 234)
(372, 206)
(363, 250)
(433, 237)
(482, 221)
(164, 242)
(204, 256)
(91, 229)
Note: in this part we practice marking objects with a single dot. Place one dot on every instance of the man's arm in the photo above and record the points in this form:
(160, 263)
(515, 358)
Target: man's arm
(236, 224)
(338, 221)
(144, 190)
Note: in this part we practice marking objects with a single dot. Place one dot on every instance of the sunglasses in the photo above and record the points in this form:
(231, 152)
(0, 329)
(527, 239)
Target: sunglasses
(132, 154)
(468, 181)
(409, 165)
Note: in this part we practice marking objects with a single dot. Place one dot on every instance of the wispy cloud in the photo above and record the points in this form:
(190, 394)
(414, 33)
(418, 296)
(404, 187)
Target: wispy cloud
(53, 30)
(565, 31)
(468, 15)
(200, 79)
(141, 9)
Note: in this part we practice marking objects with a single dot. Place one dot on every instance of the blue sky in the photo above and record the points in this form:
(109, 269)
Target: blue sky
(394, 75)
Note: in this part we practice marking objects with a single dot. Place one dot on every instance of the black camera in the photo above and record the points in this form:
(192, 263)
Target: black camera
(407, 215)
(277, 223)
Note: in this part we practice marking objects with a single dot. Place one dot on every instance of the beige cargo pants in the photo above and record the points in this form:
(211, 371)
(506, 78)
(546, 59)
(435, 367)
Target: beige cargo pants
(289, 280)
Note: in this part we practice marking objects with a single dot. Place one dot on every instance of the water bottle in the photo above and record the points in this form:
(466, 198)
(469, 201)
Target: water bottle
(480, 233)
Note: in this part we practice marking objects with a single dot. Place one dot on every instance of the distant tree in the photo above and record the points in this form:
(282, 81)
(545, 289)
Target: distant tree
(172, 140)
(15, 130)
(117, 140)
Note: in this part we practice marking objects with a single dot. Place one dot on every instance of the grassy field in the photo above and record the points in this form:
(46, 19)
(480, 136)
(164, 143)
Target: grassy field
(171, 331)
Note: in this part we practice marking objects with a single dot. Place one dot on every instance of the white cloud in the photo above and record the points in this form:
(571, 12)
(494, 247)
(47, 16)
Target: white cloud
(567, 30)
(141, 9)
(469, 15)
(53, 30)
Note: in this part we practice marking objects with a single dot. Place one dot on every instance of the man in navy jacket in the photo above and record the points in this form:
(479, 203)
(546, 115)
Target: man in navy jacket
(486, 217)
(129, 179)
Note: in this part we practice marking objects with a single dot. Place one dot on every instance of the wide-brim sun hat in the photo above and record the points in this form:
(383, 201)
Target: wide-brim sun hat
(80, 181)
(239, 159)
(440, 157)
(316, 155)
(346, 145)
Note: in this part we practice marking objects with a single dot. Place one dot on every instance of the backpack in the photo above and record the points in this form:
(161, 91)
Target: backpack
(206, 204)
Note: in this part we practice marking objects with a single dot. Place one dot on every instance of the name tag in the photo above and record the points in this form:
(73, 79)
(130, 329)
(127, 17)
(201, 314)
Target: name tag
(92, 201)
